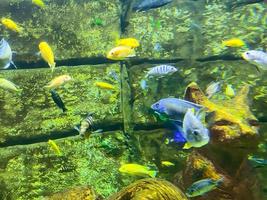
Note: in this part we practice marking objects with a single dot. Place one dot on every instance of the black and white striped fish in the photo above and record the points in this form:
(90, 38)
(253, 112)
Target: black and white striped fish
(160, 71)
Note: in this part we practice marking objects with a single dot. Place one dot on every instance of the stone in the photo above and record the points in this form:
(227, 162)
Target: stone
(145, 189)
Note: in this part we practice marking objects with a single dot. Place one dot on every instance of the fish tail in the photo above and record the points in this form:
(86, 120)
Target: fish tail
(152, 173)
(11, 62)
(220, 181)
(52, 66)
(7, 66)
(64, 109)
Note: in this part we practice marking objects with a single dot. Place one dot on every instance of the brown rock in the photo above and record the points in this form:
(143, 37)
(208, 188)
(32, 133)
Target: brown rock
(150, 189)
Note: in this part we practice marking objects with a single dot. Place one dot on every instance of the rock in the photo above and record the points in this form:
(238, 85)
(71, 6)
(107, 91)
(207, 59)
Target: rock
(231, 120)
(146, 189)
(77, 193)
(199, 167)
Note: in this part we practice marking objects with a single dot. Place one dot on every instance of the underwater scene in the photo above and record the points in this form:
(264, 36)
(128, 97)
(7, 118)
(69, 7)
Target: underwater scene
(133, 99)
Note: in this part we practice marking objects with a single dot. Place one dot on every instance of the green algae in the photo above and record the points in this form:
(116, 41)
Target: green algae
(35, 171)
(75, 36)
(33, 112)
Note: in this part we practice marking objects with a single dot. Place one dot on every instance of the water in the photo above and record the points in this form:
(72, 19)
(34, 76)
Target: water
(185, 33)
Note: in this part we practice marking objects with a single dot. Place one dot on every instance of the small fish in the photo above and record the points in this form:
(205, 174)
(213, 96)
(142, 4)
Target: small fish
(213, 88)
(233, 42)
(120, 53)
(47, 54)
(58, 81)
(258, 162)
(39, 3)
(229, 91)
(104, 85)
(143, 84)
(138, 170)
(160, 71)
(157, 47)
(85, 125)
(174, 108)
(8, 85)
(10, 24)
(258, 58)
(167, 163)
(114, 75)
(145, 5)
(195, 133)
(203, 186)
(58, 101)
(5, 55)
(55, 147)
(129, 42)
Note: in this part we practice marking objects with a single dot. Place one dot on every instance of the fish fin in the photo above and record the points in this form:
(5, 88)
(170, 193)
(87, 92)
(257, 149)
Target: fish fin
(152, 173)
(52, 66)
(38, 53)
(13, 64)
(77, 128)
(187, 146)
(143, 84)
(7, 66)
(201, 115)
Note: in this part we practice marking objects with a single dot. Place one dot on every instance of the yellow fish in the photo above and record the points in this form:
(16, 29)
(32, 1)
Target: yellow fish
(229, 91)
(120, 53)
(58, 81)
(139, 170)
(47, 54)
(130, 42)
(8, 85)
(55, 148)
(234, 42)
(167, 163)
(39, 3)
(104, 85)
(10, 24)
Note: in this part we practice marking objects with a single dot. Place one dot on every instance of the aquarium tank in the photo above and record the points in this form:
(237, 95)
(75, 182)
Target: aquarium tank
(133, 99)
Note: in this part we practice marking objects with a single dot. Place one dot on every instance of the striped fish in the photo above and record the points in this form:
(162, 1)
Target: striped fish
(160, 71)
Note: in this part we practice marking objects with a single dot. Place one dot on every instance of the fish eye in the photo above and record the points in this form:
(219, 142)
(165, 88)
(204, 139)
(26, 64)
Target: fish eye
(247, 53)
(195, 132)
(157, 105)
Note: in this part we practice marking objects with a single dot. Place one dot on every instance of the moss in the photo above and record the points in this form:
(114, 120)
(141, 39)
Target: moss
(66, 37)
(35, 171)
(34, 113)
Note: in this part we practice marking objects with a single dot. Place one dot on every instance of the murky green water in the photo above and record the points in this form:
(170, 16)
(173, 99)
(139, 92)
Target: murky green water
(204, 40)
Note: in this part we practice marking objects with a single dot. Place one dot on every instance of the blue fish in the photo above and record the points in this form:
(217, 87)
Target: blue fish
(203, 186)
(5, 55)
(174, 108)
(256, 161)
(195, 133)
(145, 5)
